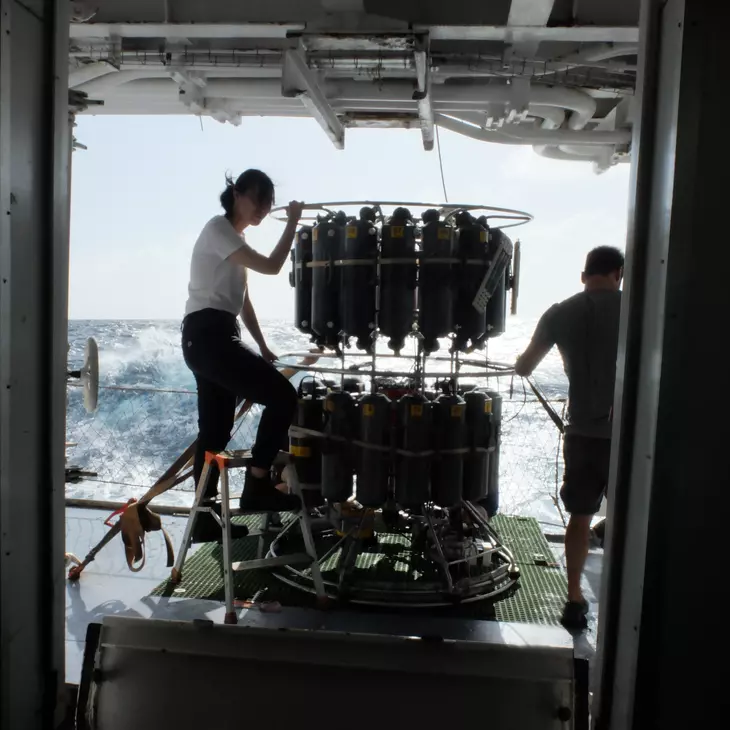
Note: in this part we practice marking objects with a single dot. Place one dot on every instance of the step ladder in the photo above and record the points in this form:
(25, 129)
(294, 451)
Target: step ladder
(225, 461)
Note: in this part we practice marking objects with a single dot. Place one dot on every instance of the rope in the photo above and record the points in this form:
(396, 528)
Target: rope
(554, 417)
(441, 163)
(522, 405)
(556, 495)
(178, 480)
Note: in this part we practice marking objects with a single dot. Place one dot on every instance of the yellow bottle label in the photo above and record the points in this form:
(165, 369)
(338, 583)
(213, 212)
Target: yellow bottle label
(417, 411)
(302, 452)
(488, 406)
(456, 411)
(397, 231)
(368, 409)
(444, 234)
(351, 232)
(315, 234)
(483, 236)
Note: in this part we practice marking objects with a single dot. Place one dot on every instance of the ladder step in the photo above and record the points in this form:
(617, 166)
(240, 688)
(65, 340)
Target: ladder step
(238, 459)
(293, 559)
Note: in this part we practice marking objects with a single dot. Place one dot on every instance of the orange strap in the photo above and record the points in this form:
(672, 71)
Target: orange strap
(117, 512)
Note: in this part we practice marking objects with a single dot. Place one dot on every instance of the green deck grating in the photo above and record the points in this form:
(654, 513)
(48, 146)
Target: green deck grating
(539, 599)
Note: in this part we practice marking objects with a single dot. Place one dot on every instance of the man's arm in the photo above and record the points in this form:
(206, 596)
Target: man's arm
(531, 358)
(251, 322)
(541, 343)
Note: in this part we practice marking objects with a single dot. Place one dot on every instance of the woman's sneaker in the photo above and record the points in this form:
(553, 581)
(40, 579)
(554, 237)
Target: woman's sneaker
(260, 495)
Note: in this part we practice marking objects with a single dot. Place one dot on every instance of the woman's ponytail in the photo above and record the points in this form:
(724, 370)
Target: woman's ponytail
(227, 197)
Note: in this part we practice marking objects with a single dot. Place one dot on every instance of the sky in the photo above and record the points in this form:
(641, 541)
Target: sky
(146, 186)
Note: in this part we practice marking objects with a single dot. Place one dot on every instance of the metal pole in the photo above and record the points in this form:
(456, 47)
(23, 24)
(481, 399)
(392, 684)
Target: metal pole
(35, 150)
(669, 465)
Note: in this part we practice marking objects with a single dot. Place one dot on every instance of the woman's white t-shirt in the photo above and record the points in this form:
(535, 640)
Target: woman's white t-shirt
(216, 282)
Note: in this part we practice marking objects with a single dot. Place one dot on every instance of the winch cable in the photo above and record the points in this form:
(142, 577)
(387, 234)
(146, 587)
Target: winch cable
(556, 493)
(554, 417)
(560, 425)
(441, 164)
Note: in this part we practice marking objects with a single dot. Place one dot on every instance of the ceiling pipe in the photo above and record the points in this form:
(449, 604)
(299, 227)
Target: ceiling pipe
(577, 150)
(515, 135)
(589, 55)
(555, 153)
(112, 81)
(89, 72)
(443, 68)
(178, 109)
(152, 89)
(551, 117)
(581, 106)
(601, 52)
(603, 158)
(264, 96)
(132, 81)
(593, 146)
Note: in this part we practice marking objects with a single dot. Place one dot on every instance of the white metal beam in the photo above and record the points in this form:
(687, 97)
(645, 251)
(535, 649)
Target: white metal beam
(576, 34)
(423, 96)
(300, 82)
(183, 30)
(90, 71)
(531, 14)
(35, 154)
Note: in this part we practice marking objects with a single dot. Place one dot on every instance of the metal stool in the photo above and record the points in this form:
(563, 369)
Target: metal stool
(226, 460)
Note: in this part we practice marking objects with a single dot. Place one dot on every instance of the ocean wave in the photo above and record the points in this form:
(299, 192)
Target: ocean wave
(136, 433)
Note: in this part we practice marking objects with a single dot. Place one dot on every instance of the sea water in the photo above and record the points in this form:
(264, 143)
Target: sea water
(147, 415)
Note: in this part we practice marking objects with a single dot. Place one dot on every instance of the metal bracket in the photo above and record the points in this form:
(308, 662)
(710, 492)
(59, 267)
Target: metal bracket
(298, 81)
(78, 101)
(423, 93)
(192, 94)
(500, 261)
(526, 18)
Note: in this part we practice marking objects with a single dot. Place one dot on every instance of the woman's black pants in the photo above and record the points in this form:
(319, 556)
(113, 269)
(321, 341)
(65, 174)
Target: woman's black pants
(226, 372)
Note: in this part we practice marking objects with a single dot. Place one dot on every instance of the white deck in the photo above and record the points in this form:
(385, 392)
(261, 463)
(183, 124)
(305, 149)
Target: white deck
(107, 587)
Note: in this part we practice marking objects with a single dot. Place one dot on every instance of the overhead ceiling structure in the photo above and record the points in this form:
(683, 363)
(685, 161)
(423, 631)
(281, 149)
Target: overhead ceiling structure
(555, 74)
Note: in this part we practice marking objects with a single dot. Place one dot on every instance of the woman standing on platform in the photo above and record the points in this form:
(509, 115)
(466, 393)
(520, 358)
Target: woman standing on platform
(225, 369)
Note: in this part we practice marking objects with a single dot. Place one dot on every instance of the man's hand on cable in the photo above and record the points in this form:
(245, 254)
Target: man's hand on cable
(294, 210)
(267, 354)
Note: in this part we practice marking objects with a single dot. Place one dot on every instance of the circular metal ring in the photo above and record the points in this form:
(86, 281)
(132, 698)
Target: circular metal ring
(447, 210)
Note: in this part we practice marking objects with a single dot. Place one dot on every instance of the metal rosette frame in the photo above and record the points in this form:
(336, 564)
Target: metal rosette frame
(388, 555)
